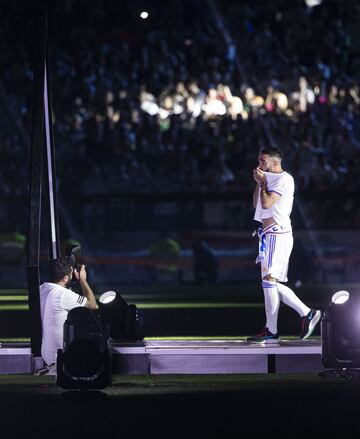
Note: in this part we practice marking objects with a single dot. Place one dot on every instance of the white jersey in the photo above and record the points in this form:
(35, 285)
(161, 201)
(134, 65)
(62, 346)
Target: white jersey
(282, 184)
(55, 301)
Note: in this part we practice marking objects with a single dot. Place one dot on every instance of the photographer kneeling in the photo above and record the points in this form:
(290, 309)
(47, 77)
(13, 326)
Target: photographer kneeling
(56, 301)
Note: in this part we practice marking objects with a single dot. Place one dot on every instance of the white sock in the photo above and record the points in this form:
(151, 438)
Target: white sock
(272, 303)
(288, 296)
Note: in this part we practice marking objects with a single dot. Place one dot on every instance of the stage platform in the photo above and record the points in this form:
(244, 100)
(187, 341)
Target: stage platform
(182, 356)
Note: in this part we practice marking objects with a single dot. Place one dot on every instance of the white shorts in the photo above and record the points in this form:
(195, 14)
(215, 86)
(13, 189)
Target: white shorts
(278, 246)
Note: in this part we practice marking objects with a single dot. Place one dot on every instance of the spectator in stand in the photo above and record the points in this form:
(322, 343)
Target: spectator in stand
(169, 105)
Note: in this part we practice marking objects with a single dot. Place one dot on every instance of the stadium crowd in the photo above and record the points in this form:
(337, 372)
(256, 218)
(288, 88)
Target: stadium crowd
(182, 102)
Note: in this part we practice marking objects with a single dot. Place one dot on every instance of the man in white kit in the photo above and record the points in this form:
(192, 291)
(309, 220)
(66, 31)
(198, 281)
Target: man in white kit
(56, 300)
(273, 200)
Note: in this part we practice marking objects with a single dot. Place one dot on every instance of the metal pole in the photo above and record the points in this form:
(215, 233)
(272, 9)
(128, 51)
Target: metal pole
(50, 167)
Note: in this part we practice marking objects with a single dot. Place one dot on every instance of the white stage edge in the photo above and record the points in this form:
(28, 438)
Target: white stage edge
(192, 357)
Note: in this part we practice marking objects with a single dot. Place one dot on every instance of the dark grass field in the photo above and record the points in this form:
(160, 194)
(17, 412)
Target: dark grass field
(222, 406)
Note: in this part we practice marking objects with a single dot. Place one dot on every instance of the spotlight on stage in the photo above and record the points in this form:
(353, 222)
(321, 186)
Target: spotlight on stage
(340, 297)
(85, 360)
(340, 336)
(124, 320)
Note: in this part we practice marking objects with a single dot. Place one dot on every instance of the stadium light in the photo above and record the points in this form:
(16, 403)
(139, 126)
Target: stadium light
(107, 297)
(340, 297)
(313, 3)
(85, 360)
(122, 318)
(144, 15)
(340, 336)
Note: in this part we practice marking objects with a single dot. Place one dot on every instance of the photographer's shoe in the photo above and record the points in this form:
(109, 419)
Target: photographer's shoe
(46, 370)
(264, 337)
(309, 322)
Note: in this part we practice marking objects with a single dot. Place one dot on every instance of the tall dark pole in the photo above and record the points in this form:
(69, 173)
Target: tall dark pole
(41, 145)
(36, 168)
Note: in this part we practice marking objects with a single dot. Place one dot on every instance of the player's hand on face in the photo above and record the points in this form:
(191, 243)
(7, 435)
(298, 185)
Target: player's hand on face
(259, 175)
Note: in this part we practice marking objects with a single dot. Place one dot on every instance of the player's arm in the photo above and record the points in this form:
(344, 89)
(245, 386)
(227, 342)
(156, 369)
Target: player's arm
(267, 198)
(85, 288)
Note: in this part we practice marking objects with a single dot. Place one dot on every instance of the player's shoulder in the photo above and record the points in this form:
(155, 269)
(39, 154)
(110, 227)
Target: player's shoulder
(286, 176)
